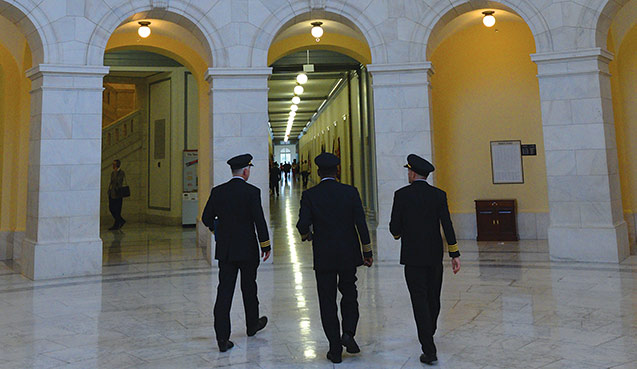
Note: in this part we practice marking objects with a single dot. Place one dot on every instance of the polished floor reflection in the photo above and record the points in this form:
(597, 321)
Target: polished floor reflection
(509, 307)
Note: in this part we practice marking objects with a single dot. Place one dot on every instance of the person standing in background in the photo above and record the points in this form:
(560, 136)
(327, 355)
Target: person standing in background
(115, 198)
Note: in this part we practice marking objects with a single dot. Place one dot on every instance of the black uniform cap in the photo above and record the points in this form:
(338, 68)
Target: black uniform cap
(240, 161)
(327, 161)
(419, 165)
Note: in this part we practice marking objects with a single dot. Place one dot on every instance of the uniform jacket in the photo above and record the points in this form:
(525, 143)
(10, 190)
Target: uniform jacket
(116, 183)
(275, 174)
(336, 213)
(418, 211)
(236, 205)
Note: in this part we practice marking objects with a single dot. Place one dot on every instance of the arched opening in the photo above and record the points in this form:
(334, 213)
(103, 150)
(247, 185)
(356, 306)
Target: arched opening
(485, 92)
(155, 114)
(20, 49)
(622, 41)
(333, 112)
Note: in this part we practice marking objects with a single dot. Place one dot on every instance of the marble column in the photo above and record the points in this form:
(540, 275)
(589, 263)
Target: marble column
(239, 101)
(402, 118)
(587, 222)
(63, 203)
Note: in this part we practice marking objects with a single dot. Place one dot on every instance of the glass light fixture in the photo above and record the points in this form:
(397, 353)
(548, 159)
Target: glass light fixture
(292, 113)
(317, 30)
(301, 78)
(296, 100)
(143, 31)
(294, 107)
(298, 90)
(489, 19)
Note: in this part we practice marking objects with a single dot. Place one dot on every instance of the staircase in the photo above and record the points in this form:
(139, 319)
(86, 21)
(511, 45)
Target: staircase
(121, 138)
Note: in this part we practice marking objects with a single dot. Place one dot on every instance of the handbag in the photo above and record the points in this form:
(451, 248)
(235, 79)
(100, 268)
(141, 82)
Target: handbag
(124, 191)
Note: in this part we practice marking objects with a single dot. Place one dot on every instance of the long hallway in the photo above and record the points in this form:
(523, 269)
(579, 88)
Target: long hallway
(509, 307)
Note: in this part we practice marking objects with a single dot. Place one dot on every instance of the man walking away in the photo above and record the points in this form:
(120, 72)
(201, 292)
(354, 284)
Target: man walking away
(417, 213)
(236, 207)
(335, 212)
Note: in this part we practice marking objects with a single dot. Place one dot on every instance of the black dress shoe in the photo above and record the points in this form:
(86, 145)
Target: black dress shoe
(263, 321)
(121, 224)
(225, 345)
(428, 359)
(334, 357)
(350, 344)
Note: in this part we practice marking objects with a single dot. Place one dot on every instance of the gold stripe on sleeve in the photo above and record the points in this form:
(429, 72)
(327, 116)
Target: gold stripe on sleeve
(397, 237)
(304, 236)
(453, 248)
(265, 243)
(367, 248)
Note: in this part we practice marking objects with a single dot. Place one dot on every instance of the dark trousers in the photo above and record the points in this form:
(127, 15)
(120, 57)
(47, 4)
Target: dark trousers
(424, 284)
(305, 176)
(326, 283)
(228, 271)
(115, 207)
(274, 187)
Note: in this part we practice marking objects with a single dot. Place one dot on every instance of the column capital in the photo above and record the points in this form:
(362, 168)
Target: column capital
(60, 70)
(426, 67)
(237, 73)
(572, 62)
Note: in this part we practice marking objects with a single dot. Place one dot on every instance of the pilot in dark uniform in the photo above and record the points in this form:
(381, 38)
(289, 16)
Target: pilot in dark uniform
(418, 211)
(335, 212)
(232, 213)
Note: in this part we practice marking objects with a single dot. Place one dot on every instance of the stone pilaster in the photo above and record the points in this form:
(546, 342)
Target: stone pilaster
(402, 118)
(587, 222)
(63, 203)
(239, 108)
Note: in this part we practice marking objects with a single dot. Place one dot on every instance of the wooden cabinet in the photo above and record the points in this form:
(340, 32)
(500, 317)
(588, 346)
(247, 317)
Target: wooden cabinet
(496, 220)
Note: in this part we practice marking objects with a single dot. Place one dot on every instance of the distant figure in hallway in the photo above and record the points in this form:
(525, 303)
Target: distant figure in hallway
(287, 167)
(275, 178)
(305, 172)
(417, 213)
(115, 195)
(295, 170)
(335, 212)
(236, 206)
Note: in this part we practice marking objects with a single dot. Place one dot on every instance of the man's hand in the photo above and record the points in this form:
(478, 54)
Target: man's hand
(368, 262)
(308, 238)
(455, 265)
(265, 255)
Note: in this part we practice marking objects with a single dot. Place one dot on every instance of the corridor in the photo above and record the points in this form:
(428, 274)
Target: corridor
(509, 307)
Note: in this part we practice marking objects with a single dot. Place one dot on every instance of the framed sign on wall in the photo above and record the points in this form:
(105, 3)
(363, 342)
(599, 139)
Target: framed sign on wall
(506, 162)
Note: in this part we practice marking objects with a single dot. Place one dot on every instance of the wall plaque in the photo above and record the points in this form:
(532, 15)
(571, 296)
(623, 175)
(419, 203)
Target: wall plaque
(506, 162)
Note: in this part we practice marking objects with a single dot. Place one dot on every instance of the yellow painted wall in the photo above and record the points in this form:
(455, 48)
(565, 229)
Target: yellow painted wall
(323, 133)
(330, 41)
(623, 81)
(14, 139)
(485, 89)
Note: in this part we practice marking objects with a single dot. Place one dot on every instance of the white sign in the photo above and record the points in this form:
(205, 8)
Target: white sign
(506, 162)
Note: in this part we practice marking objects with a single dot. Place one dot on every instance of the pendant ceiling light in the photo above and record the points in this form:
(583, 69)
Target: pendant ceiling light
(294, 107)
(301, 78)
(317, 30)
(298, 90)
(296, 100)
(489, 19)
(143, 31)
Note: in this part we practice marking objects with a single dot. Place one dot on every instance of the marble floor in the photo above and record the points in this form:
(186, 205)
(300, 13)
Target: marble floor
(509, 307)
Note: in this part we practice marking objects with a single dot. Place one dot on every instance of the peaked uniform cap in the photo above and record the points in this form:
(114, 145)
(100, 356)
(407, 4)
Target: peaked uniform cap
(419, 165)
(240, 161)
(327, 160)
